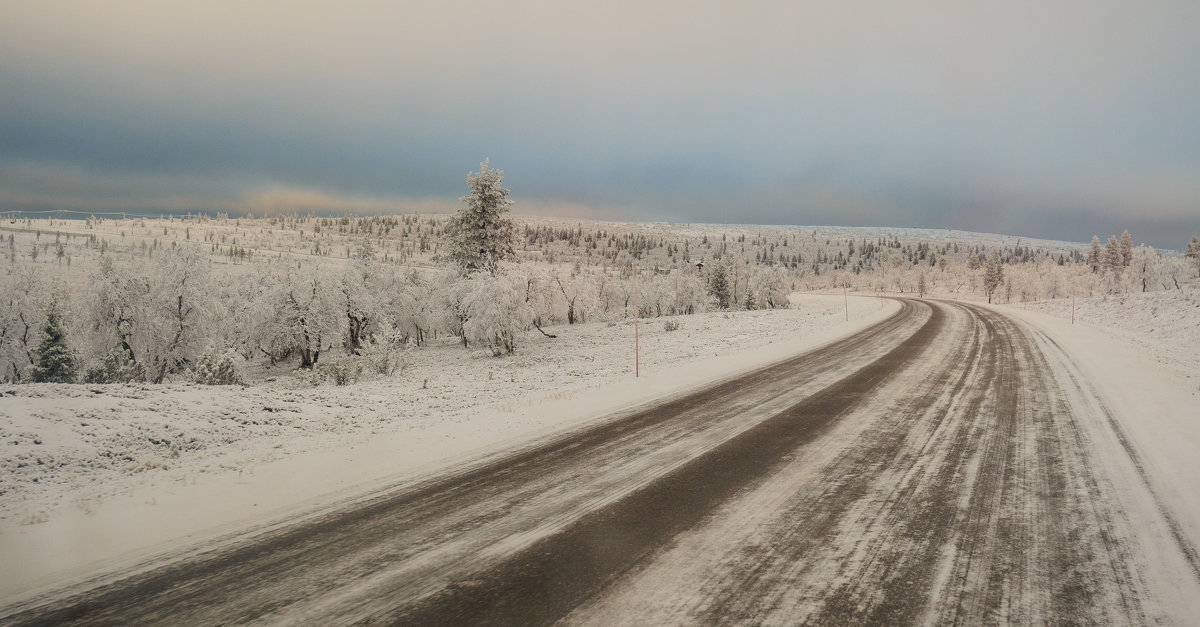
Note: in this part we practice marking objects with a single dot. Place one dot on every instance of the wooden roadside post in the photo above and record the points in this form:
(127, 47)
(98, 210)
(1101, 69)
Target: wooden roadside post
(636, 314)
(846, 298)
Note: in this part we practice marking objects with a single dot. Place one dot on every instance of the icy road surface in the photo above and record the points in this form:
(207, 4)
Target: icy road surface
(947, 465)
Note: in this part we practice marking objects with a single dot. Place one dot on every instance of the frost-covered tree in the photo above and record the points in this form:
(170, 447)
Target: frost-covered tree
(718, 284)
(480, 235)
(366, 250)
(1093, 257)
(118, 321)
(22, 315)
(690, 294)
(1144, 266)
(253, 306)
(450, 304)
(179, 313)
(55, 361)
(1126, 248)
(310, 316)
(547, 294)
(768, 287)
(361, 296)
(571, 297)
(411, 301)
(497, 313)
(993, 275)
(146, 322)
(610, 296)
(1193, 251)
(1112, 255)
(1171, 270)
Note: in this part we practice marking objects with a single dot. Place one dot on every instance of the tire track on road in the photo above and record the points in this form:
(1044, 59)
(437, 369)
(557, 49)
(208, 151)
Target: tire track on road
(968, 498)
(547, 581)
(769, 553)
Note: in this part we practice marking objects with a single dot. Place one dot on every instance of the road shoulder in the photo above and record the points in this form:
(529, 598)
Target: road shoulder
(1146, 436)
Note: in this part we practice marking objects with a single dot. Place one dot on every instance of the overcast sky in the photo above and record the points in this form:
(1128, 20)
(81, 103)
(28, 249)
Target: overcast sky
(1052, 119)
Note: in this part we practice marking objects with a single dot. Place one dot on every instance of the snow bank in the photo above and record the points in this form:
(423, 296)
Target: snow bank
(1165, 324)
(1152, 392)
(99, 477)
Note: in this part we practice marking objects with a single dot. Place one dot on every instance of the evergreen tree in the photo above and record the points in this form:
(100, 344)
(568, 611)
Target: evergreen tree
(993, 276)
(1126, 248)
(1193, 248)
(718, 285)
(1193, 251)
(1093, 257)
(55, 363)
(480, 236)
(1112, 255)
(750, 304)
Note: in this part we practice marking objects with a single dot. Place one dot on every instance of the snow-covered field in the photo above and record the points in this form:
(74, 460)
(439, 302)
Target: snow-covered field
(1165, 325)
(101, 478)
(137, 469)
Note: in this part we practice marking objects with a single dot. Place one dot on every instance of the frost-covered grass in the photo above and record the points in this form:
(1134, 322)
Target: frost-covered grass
(1166, 324)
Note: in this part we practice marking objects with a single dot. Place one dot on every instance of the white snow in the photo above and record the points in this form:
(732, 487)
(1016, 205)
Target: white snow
(95, 479)
(1165, 325)
(1154, 400)
(102, 477)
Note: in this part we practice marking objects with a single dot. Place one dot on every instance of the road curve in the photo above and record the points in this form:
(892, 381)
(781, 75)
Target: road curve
(940, 466)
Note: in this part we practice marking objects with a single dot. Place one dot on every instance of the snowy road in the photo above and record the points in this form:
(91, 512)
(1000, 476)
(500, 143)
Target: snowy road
(946, 465)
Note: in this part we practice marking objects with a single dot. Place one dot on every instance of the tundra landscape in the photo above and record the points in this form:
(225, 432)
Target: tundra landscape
(821, 419)
(620, 313)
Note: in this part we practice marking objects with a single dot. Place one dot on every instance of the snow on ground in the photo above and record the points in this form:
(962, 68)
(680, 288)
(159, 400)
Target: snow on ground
(1151, 403)
(92, 476)
(1164, 324)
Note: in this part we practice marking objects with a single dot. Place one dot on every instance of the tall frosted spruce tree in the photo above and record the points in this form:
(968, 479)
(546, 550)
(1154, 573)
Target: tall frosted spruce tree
(1193, 251)
(480, 235)
(993, 275)
(55, 363)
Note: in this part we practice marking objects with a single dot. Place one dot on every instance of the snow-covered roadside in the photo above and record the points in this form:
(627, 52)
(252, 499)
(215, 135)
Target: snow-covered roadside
(1166, 324)
(1154, 408)
(97, 477)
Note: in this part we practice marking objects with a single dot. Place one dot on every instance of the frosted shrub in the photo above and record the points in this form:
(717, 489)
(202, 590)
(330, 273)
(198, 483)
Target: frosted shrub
(218, 369)
(671, 325)
(342, 371)
(384, 355)
(116, 367)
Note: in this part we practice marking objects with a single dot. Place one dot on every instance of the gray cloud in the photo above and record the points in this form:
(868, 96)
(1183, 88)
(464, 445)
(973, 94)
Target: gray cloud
(1045, 119)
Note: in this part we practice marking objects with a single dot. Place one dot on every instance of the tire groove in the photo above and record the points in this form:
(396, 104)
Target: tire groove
(545, 582)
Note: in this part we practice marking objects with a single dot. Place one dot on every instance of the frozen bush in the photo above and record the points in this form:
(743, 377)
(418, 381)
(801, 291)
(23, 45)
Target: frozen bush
(218, 368)
(342, 371)
(384, 355)
(116, 367)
